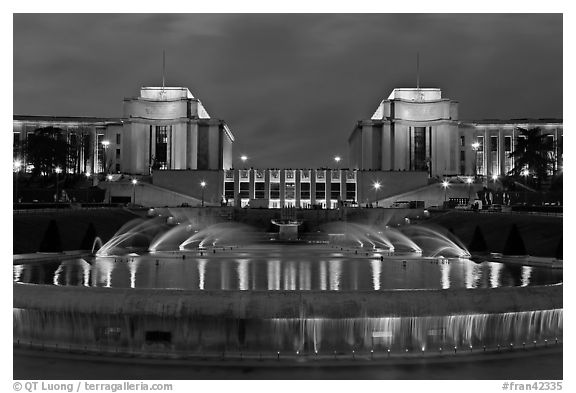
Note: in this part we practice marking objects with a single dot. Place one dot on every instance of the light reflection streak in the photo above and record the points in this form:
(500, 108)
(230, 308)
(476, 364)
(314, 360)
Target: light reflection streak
(472, 272)
(304, 276)
(376, 271)
(86, 274)
(273, 275)
(57, 275)
(322, 273)
(335, 271)
(243, 274)
(18, 272)
(201, 273)
(495, 268)
(445, 271)
(526, 273)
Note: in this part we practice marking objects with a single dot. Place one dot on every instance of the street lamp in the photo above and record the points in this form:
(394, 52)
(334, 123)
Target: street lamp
(494, 178)
(244, 157)
(337, 160)
(17, 165)
(525, 173)
(58, 170)
(469, 182)
(134, 182)
(376, 186)
(203, 185)
(445, 184)
(475, 147)
(105, 145)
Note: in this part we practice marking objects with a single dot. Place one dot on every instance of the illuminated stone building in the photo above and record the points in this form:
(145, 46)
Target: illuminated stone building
(416, 129)
(167, 133)
(164, 128)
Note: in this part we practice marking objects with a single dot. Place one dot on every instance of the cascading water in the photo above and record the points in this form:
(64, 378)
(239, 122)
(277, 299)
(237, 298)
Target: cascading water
(303, 334)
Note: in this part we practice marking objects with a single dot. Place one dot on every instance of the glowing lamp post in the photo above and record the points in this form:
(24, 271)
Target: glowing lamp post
(134, 182)
(525, 173)
(469, 182)
(244, 158)
(17, 165)
(203, 185)
(494, 178)
(58, 170)
(337, 159)
(445, 184)
(87, 174)
(376, 187)
(475, 147)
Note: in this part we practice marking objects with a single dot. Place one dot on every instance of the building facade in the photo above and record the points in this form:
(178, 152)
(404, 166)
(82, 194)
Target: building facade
(163, 128)
(166, 132)
(417, 129)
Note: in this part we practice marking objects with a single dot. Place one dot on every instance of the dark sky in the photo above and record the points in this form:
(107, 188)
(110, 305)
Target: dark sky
(290, 86)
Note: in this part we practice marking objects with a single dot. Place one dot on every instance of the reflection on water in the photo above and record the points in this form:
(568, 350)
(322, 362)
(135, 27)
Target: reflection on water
(376, 270)
(305, 271)
(445, 271)
(334, 270)
(526, 272)
(495, 268)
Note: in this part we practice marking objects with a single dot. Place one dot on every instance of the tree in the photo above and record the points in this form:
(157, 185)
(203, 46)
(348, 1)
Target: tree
(478, 244)
(534, 152)
(47, 149)
(51, 240)
(88, 240)
(514, 244)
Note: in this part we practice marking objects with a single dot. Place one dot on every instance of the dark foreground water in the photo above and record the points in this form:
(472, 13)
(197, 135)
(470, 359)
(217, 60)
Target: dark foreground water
(540, 364)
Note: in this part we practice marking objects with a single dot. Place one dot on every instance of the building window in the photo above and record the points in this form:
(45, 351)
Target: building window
(274, 190)
(351, 191)
(494, 161)
(117, 168)
(420, 149)
(259, 190)
(161, 157)
(320, 191)
(118, 139)
(462, 141)
(244, 189)
(16, 144)
(229, 190)
(334, 191)
(304, 190)
(480, 156)
(117, 154)
(100, 159)
(507, 151)
(290, 191)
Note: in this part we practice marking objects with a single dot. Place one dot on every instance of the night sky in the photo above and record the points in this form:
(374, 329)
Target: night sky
(291, 87)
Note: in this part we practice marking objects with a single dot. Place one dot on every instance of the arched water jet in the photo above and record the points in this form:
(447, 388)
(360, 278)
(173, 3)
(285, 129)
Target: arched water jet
(136, 234)
(97, 243)
(432, 242)
(171, 239)
(359, 235)
(225, 234)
